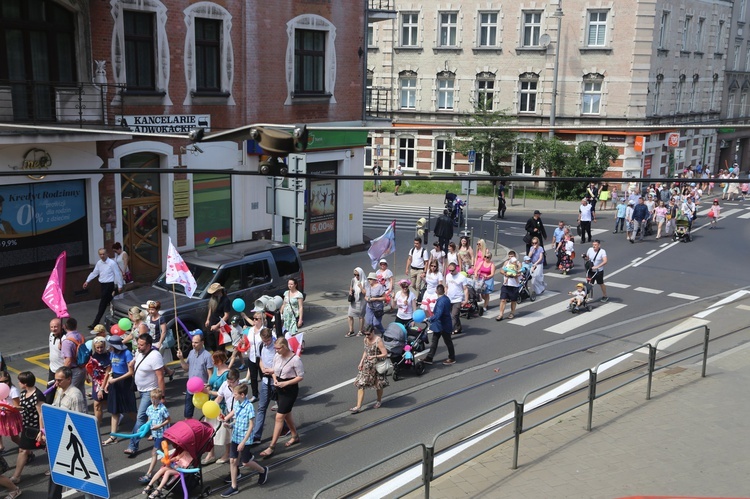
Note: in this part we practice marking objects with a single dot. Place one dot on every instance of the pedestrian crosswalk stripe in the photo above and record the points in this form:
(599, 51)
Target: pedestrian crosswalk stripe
(746, 215)
(649, 290)
(539, 315)
(684, 297)
(524, 304)
(583, 318)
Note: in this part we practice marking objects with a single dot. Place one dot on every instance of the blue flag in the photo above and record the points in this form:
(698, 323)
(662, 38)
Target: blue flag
(383, 246)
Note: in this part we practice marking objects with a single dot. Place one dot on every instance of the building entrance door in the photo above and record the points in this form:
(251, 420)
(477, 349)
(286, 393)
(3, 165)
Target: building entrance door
(141, 216)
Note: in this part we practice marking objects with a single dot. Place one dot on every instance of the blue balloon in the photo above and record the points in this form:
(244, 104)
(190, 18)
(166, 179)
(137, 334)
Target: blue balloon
(419, 315)
(238, 305)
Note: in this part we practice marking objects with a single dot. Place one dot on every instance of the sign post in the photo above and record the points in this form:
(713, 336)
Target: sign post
(74, 450)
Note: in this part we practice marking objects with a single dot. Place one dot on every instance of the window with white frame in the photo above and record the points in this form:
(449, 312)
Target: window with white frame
(736, 59)
(487, 29)
(448, 29)
(592, 93)
(527, 93)
(209, 54)
(368, 90)
(485, 91)
(699, 35)
(532, 28)
(657, 95)
(730, 106)
(597, 28)
(686, 33)
(443, 154)
(408, 84)
(407, 151)
(370, 34)
(664, 30)
(310, 58)
(481, 162)
(720, 38)
(712, 98)
(743, 104)
(522, 166)
(446, 82)
(409, 29)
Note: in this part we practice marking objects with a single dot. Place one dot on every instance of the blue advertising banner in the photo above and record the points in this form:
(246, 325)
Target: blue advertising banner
(38, 221)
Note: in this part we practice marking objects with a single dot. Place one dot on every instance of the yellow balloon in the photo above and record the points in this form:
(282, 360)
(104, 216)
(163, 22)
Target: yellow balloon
(200, 399)
(211, 409)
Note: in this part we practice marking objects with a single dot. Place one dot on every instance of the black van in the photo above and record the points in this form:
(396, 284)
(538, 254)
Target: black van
(246, 270)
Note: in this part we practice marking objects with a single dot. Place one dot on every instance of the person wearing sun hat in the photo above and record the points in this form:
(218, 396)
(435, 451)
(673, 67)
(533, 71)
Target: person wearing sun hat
(218, 308)
(385, 276)
(375, 302)
(578, 295)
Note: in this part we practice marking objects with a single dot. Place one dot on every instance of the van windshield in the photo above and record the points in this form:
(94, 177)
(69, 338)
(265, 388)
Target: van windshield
(203, 277)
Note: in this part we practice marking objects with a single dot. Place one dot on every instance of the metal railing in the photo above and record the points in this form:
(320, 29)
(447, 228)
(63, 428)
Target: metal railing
(574, 391)
(45, 102)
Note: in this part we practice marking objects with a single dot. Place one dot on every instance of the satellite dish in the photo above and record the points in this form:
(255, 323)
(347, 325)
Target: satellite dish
(544, 40)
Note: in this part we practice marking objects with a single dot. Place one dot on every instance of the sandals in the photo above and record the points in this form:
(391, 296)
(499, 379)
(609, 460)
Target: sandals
(268, 452)
(349, 334)
(14, 494)
(156, 494)
(511, 316)
(148, 490)
(109, 441)
(292, 441)
(499, 318)
(355, 410)
(377, 405)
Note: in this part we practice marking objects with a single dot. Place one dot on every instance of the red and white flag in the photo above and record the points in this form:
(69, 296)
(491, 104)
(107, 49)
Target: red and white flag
(53, 292)
(225, 333)
(295, 343)
(178, 271)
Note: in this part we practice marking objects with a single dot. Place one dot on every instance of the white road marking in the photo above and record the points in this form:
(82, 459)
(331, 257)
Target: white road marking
(649, 252)
(111, 475)
(616, 285)
(721, 303)
(746, 215)
(555, 275)
(648, 290)
(743, 307)
(539, 315)
(684, 297)
(584, 318)
(688, 325)
(328, 390)
(729, 213)
(526, 303)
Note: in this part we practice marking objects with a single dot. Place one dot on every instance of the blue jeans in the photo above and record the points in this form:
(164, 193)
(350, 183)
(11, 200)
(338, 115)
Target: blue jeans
(189, 407)
(140, 420)
(263, 401)
(372, 319)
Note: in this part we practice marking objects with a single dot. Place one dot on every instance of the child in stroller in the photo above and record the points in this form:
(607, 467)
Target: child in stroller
(475, 305)
(682, 229)
(580, 298)
(403, 342)
(525, 289)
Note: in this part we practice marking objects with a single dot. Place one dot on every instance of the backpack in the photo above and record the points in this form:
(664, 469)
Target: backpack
(83, 354)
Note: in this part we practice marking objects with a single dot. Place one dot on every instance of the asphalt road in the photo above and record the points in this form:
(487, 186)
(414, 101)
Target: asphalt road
(654, 287)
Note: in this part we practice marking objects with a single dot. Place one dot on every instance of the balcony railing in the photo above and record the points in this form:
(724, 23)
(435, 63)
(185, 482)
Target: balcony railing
(382, 5)
(378, 102)
(64, 103)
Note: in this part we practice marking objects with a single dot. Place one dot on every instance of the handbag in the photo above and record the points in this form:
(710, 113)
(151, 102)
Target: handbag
(579, 231)
(384, 367)
(527, 238)
(350, 298)
(127, 277)
(169, 341)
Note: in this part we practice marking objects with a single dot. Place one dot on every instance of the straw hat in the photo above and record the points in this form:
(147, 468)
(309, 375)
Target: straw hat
(213, 288)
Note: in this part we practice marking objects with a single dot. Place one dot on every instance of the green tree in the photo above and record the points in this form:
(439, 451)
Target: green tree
(586, 159)
(493, 145)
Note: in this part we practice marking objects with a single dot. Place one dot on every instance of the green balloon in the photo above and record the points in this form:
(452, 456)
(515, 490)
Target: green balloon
(125, 324)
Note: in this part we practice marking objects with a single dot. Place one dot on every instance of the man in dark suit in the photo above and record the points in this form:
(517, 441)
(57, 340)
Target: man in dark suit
(441, 326)
(444, 230)
(535, 228)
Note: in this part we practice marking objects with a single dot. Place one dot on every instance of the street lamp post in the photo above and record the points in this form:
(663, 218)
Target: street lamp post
(553, 107)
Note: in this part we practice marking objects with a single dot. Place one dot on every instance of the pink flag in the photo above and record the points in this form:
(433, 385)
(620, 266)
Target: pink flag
(382, 246)
(53, 293)
(178, 271)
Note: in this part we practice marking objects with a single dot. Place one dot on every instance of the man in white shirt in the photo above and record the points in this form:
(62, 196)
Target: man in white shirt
(148, 366)
(457, 291)
(585, 216)
(415, 264)
(109, 276)
(56, 358)
(598, 258)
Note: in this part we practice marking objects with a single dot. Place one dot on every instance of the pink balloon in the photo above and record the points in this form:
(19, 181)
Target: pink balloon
(195, 385)
(4, 391)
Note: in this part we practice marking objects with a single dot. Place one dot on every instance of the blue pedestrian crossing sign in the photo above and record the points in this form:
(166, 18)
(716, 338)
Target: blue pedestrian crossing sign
(75, 452)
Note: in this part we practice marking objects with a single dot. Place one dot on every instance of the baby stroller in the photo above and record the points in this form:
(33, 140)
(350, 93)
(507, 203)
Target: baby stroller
(682, 230)
(455, 207)
(475, 305)
(525, 289)
(402, 343)
(585, 305)
(195, 437)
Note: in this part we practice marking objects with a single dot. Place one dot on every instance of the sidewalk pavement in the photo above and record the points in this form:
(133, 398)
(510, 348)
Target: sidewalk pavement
(689, 440)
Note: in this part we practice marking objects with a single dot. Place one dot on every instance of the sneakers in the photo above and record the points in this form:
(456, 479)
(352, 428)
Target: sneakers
(605, 299)
(231, 491)
(145, 478)
(228, 479)
(263, 477)
(449, 362)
